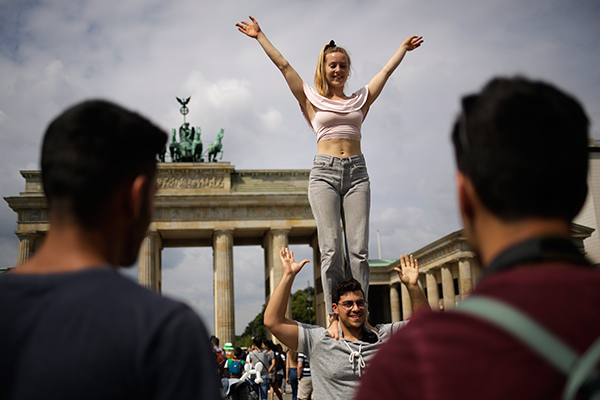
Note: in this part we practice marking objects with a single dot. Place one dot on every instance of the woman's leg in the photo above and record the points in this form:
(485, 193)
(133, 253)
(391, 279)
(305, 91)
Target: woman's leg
(356, 209)
(325, 202)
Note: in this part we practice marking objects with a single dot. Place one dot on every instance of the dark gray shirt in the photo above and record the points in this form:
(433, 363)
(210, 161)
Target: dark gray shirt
(95, 334)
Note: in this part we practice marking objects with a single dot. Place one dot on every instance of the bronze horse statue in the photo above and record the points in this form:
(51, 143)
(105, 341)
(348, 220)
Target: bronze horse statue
(216, 147)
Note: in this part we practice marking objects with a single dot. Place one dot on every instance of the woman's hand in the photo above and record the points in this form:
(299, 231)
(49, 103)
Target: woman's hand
(249, 29)
(334, 330)
(290, 266)
(411, 43)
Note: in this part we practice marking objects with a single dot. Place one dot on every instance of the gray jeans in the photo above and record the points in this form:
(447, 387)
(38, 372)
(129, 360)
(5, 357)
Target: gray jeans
(339, 188)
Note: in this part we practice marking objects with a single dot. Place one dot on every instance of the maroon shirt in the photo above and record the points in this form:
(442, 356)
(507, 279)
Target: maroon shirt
(455, 356)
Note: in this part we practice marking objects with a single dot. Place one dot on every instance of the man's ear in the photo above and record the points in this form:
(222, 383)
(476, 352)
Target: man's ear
(466, 200)
(334, 307)
(137, 194)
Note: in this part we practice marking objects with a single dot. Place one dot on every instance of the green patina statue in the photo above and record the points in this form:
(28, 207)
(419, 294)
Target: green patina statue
(189, 146)
(216, 147)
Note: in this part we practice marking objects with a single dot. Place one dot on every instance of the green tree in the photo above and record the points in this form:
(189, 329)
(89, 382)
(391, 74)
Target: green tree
(256, 327)
(303, 310)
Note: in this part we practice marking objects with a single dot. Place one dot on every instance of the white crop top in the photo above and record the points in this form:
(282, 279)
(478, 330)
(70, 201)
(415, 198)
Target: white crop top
(336, 119)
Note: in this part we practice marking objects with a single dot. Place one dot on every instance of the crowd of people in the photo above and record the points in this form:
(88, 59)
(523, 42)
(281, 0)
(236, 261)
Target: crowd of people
(75, 328)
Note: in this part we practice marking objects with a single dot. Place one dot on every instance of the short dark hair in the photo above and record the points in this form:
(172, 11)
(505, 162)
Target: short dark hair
(89, 151)
(258, 341)
(214, 340)
(344, 286)
(523, 144)
(237, 352)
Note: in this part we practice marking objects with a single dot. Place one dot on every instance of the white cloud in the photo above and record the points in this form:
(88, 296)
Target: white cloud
(272, 119)
(230, 93)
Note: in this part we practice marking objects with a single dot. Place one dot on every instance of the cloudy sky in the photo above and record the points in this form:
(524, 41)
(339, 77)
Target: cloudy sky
(144, 53)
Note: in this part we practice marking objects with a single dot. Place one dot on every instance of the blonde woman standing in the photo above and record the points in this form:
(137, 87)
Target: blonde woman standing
(339, 186)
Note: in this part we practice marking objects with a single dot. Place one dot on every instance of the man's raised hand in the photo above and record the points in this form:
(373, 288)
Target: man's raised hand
(290, 265)
(409, 271)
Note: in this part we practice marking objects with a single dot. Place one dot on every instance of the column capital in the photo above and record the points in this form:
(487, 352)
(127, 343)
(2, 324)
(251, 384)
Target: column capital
(26, 235)
(280, 230)
(222, 235)
(275, 233)
(223, 231)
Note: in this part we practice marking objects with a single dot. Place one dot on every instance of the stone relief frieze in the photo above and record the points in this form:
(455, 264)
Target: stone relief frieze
(171, 180)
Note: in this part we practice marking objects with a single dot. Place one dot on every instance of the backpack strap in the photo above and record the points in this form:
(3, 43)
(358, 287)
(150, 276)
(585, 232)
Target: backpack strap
(579, 370)
(584, 374)
(262, 362)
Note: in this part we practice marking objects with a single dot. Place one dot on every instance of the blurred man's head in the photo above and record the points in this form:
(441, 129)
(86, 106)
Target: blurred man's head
(92, 151)
(523, 146)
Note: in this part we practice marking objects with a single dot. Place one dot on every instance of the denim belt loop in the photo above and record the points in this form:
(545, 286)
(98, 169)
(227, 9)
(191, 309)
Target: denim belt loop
(355, 158)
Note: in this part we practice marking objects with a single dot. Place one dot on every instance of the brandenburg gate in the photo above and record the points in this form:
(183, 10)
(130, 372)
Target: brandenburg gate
(205, 204)
(212, 204)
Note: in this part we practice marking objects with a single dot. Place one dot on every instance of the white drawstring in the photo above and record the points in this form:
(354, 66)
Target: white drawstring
(359, 357)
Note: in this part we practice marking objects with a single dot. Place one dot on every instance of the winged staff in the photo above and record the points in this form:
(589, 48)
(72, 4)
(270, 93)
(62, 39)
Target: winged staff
(184, 110)
(184, 102)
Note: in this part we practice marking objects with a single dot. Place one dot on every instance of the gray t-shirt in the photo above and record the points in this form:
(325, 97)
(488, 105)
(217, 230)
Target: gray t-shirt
(261, 356)
(336, 365)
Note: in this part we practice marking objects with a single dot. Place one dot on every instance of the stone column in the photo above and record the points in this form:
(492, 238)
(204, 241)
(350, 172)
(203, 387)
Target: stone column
(223, 285)
(448, 288)
(465, 278)
(26, 246)
(149, 262)
(406, 304)
(274, 240)
(433, 294)
(279, 239)
(395, 302)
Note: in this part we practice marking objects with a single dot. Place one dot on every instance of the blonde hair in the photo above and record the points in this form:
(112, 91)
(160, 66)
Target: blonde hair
(320, 77)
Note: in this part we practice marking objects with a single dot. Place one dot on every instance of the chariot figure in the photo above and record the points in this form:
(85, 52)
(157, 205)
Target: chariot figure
(197, 146)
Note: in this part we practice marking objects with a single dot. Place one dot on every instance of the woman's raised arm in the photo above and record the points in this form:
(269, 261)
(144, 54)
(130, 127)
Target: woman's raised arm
(378, 82)
(294, 81)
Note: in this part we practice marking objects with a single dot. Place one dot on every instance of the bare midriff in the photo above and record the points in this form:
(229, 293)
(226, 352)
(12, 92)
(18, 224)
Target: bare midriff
(340, 148)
